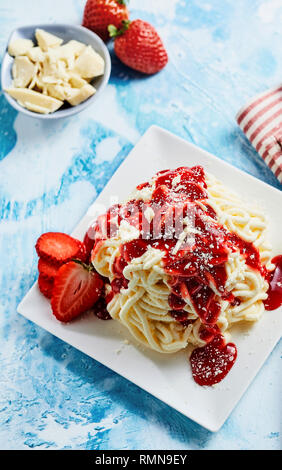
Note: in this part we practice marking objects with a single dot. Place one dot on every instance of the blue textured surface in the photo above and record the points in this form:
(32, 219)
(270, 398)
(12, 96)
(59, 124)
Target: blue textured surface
(52, 396)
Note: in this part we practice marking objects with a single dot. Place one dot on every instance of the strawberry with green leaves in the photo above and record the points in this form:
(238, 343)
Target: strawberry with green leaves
(98, 14)
(138, 45)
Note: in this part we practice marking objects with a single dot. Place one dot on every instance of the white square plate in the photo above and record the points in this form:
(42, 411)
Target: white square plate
(167, 377)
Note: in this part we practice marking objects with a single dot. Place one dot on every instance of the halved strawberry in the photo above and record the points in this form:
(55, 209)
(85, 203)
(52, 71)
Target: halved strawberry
(59, 248)
(45, 286)
(47, 270)
(76, 289)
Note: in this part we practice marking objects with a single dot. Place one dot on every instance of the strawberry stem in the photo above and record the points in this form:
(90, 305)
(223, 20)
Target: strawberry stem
(122, 2)
(88, 267)
(114, 32)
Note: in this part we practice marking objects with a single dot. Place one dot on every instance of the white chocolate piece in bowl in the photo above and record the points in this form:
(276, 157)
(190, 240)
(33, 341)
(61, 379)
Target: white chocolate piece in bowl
(89, 64)
(79, 95)
(46, 40)
(23, 71)
(19, 47)
(29, 98)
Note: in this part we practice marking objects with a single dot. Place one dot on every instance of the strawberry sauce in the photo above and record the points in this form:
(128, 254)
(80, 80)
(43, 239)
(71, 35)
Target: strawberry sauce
(274, 294)
(196, 264)
(100, 309)
(211, 363)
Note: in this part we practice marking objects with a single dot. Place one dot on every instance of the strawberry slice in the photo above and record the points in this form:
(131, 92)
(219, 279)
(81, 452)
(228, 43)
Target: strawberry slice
(59, 248)
(76, 289)
(47, 270)
(45, 286)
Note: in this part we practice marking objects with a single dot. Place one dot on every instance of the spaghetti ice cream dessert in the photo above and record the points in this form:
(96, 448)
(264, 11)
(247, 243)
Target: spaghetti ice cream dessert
(177, 264)
(184, 260)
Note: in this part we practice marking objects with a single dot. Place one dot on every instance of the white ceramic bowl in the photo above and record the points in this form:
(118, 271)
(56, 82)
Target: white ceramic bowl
(66, 32)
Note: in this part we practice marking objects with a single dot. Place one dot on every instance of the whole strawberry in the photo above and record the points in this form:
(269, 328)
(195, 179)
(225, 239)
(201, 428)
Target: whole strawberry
(138, 45)
(98, 14)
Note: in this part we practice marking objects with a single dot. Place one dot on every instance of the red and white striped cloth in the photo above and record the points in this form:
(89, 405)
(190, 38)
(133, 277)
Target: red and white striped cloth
(261, 121)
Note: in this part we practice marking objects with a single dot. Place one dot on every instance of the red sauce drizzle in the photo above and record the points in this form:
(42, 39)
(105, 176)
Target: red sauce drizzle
(198, 267)
(274, 294)
(211, 363)
(100, 308)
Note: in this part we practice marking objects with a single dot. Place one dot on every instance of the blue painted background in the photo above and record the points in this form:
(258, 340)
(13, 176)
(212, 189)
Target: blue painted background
(51, 396)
